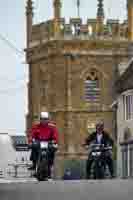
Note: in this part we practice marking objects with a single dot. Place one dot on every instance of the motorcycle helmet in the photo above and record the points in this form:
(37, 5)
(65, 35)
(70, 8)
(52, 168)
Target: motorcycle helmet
(44, 115)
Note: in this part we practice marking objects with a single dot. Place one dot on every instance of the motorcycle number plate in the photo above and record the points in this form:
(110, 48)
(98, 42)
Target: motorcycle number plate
(93, 153)
(44, 145)
(96, 153)
(43, 153)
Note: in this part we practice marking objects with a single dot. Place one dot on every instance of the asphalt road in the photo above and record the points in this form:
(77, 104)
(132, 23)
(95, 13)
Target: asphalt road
(68, 190)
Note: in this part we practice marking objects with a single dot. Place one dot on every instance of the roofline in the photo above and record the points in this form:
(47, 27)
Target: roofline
(123, 76)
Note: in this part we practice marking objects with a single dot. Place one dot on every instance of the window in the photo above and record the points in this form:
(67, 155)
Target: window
(92, 88)
(128, 106)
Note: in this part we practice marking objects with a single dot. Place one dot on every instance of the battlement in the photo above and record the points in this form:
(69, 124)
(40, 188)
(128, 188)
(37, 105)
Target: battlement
(75, 29)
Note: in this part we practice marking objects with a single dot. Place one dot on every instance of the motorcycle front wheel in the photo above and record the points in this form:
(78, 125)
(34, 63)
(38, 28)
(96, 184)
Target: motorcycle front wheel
(98, 170)
(42, 170)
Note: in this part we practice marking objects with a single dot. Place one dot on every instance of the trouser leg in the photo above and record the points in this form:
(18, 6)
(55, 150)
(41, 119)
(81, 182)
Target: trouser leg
(109, 162)
(88, 167)
(34, 157)
(51, 157)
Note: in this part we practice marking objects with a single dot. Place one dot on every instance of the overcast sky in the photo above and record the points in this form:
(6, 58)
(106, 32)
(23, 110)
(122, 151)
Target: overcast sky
(14, 73)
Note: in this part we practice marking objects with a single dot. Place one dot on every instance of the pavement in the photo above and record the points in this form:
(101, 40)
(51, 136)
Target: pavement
(17, 180)
(67, 190)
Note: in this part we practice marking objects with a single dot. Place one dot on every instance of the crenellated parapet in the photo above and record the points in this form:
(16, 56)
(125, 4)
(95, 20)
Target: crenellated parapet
(58, 29)
(75, 29)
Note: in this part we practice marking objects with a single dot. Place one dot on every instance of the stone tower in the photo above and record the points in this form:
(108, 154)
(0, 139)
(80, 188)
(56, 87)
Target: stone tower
(100, 17)
(130, 19)
(29, 20)
(57, 17)
(72, 75)
(57, 9)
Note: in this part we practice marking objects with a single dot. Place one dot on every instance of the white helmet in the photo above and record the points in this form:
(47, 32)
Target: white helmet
(44, 115)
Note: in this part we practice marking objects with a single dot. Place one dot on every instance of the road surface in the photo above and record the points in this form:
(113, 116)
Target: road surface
(68, 190)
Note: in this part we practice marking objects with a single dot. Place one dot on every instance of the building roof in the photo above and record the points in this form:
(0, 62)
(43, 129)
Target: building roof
(125, 82)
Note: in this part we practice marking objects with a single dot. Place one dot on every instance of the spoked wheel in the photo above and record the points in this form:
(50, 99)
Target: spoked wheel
(42, 170)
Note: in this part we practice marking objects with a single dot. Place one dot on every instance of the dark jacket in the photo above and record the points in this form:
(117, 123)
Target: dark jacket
(106, 139)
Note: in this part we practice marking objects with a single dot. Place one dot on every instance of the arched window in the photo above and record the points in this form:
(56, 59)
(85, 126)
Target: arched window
(92, 87)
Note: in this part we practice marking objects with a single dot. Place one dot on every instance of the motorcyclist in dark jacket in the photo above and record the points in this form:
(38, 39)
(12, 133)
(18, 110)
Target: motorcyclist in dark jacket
(100, 137)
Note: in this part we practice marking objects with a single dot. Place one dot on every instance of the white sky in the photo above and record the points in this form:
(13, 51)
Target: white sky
(14, 73)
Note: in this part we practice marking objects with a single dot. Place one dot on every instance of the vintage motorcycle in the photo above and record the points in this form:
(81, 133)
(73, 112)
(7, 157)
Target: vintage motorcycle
(98, 153)
(43, 147)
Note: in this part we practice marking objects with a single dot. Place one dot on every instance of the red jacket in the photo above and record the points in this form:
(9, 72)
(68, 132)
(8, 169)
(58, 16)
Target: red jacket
(44, 132)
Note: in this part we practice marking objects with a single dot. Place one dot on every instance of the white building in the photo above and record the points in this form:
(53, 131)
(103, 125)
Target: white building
(20, 145)
(7, 153)
(124, 113)
(13, 151)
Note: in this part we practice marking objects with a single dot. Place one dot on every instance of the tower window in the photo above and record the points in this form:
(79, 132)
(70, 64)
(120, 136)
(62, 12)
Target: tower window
(92, 88)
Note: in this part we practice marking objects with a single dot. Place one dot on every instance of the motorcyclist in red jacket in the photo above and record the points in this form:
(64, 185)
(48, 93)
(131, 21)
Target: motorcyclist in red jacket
(43, 131)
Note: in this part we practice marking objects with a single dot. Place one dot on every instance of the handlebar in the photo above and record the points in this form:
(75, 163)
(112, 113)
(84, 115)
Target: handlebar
(102, 146)
(36, 143)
